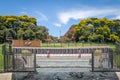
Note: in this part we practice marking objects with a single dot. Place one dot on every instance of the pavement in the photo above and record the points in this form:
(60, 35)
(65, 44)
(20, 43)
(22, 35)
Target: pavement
(5, 76)
(8, 76)
(118, 75)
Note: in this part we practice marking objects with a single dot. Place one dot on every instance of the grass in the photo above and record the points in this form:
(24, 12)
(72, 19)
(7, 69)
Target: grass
(76, 44)
(1, 58)
(117, 60)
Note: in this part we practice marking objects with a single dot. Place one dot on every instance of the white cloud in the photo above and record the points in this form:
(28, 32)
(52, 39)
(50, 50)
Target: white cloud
(76, 14)
(38, 15)
(41, 16)
(57, 24)
(118, 17)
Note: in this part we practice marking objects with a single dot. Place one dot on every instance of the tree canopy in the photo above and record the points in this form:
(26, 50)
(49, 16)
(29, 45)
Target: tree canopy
(98, 30)
(88, 30)
(21, 27)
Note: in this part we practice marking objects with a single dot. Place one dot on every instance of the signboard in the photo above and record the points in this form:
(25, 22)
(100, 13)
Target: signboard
(26, 43)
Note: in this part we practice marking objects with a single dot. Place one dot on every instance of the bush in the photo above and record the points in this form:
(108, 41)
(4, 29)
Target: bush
(98, 52)
(26, 53)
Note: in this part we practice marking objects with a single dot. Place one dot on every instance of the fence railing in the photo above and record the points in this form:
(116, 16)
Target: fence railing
(76, 50)
(103, 57)
(18, 62)
(107, 61)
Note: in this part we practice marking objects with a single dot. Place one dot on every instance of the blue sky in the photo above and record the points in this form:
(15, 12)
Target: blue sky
(59, 15)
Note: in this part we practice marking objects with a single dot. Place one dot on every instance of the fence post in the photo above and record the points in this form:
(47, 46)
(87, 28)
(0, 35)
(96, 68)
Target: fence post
(4, 53)
(111, 58)
(34, 61)
(92, 61)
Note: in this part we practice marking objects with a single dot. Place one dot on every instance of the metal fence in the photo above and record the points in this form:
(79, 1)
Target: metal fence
(109, 61)
(116, 57)
(20, 62)
(86, 50)
(24, 58)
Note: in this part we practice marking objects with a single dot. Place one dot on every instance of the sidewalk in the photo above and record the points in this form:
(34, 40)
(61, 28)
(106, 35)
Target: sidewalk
(118, 75)
(5, 76)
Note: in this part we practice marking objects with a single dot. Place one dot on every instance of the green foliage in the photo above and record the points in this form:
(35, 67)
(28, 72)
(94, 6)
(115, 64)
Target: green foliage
(26, 53)
(1, 58)
(78, 44)
(21, 27)
(69, 36)
(114, 38)
(98, 52)
(117, 48)
(117, 60)
(98, 30)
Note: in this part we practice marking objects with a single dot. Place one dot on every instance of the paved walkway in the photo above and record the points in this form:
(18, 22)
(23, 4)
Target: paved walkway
(118, 75)
(5, 76)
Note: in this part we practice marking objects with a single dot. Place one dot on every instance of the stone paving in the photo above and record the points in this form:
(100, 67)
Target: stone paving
(118, 75)
(5, 76)
(61, 76)
(66, 76)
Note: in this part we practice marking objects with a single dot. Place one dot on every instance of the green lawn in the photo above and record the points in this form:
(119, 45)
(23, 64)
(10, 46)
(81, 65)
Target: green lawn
(76, 44)
(1, 57)
(117, 60)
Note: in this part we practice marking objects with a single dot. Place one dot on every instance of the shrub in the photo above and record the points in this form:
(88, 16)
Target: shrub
(98, 52)
(26, 53)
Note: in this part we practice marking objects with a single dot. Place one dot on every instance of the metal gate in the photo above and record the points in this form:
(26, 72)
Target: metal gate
(52, 57)
(107, 61)
(24, 61)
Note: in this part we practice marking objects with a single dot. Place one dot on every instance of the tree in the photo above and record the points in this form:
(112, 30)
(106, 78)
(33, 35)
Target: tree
(21, 27)
(44, 33)
(117, 27)
(98, 30)
(114, 38)
(20, 33)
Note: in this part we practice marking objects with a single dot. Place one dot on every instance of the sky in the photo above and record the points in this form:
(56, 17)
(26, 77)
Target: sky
(59, 15)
